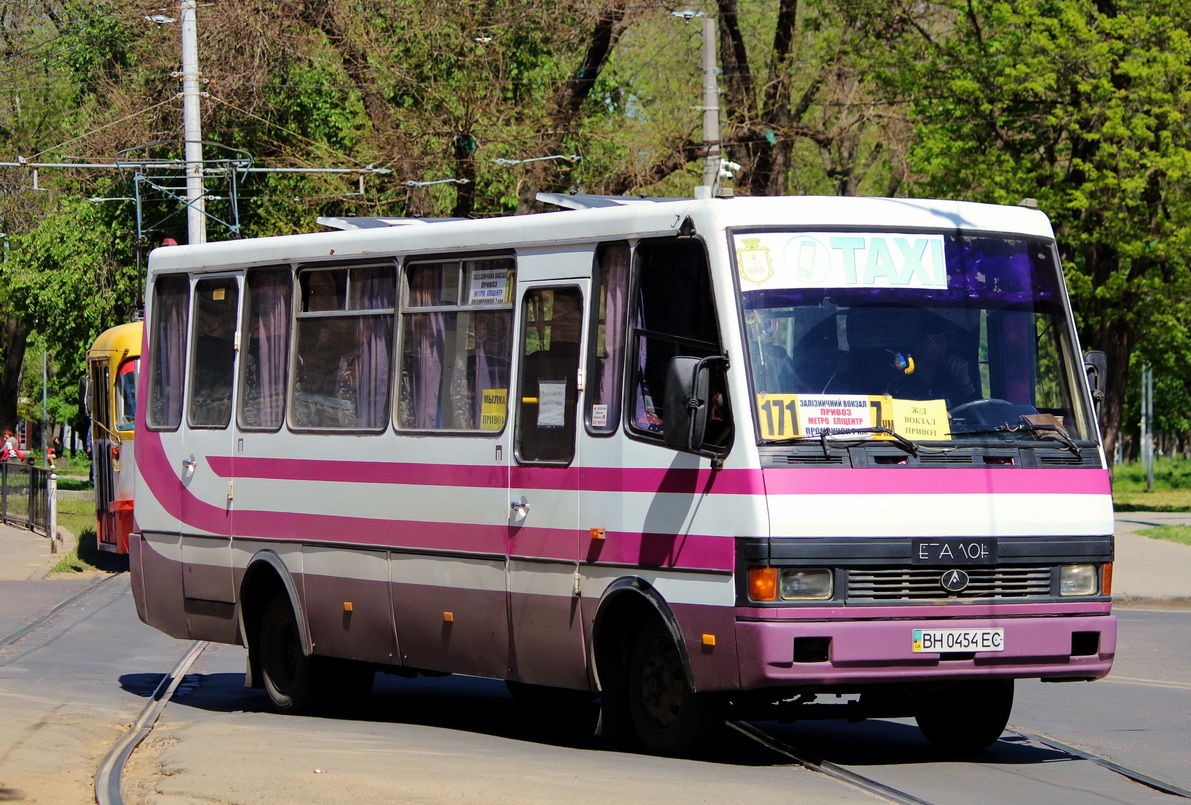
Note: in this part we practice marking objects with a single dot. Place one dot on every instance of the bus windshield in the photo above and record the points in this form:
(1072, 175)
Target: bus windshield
(936, 336)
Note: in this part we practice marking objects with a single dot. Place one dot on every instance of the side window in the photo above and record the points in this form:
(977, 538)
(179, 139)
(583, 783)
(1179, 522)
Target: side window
(213, 352)
(264, 364)
(553, 318)
(167, 357)
(674, 315)
(342, 365)
(456, 340)
(604, 391)
(126, 394)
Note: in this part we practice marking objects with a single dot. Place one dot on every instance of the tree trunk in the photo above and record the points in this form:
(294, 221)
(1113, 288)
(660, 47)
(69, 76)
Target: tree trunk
(569, 103)
(12, 349)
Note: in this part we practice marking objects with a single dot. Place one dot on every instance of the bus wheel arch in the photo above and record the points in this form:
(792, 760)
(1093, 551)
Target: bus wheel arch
(265, 579)
(643, 669)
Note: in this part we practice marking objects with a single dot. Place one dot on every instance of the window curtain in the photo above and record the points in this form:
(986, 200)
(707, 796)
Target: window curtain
(493, 337)
(373, 290)
(169, 345)
(268, 349)
(425, 344)
(615, 278)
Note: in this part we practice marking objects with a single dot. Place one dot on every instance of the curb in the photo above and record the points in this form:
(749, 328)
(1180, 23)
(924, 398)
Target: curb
(1142, 602)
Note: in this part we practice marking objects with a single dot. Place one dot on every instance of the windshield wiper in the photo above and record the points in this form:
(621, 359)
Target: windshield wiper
(895, 438)
(1032, 428)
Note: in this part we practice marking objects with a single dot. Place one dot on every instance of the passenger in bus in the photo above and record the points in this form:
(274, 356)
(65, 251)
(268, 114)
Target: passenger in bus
(773, 369)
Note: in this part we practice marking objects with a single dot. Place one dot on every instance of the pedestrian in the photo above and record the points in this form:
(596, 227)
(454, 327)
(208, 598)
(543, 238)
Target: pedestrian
(54, 452)
(11, 450)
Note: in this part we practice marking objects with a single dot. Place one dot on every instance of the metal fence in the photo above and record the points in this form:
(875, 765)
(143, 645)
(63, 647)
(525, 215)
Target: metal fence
(25, 496)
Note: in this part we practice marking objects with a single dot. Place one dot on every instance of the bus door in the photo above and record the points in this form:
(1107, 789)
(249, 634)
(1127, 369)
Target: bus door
(207, 443)
(544, 494)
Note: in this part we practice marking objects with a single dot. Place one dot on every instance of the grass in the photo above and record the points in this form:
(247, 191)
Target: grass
(1172, 486)
(77, 515)
(1172, 533)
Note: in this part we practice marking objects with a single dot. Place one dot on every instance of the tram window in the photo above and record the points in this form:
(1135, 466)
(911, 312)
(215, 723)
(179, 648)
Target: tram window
(264, 369)
(213, 352)
(456, 341)
(167, 339)
(342, 364)
(126, 395)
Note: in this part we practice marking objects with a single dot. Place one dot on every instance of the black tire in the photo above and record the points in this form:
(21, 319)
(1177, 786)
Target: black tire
(967, 716)
(668, 717)
(293, 680)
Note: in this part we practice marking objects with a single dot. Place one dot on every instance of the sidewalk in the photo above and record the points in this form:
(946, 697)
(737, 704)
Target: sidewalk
(25, 555)
(1150, 571)
(1146, 571)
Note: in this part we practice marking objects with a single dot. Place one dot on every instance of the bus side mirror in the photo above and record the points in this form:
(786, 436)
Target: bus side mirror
(1095, 363)
(690, 405)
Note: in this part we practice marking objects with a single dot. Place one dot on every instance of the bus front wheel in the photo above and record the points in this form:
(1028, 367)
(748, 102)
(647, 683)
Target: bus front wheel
(966, 716)
(668, 717)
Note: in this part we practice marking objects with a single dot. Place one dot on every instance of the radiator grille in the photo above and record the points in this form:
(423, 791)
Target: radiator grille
(922, 583)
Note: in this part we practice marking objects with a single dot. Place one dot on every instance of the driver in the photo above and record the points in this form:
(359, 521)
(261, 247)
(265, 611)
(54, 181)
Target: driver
(941, 371)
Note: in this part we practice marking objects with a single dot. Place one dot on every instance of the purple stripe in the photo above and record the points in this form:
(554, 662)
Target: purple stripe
(375, 472)
(937, 481)
(660, 550)
(784, 481)
(593, 479)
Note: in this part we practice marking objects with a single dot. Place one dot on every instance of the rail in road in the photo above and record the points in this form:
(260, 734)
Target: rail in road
(108, 776)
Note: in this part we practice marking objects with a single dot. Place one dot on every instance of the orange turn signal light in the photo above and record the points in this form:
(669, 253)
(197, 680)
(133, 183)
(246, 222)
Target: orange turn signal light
(763, 583)
(1106, 584)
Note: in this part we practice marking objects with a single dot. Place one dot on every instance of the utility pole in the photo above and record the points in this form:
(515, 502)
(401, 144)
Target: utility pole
(711, 113)
(196, 219)
(1147, 425)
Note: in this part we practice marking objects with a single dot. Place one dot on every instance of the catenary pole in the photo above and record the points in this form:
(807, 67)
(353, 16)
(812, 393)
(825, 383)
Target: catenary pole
(711, 110)
(196, 220)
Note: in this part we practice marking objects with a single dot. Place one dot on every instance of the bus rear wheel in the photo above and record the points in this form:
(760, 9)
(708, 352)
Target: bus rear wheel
(966, 716)
(668, 717)
(292, 679)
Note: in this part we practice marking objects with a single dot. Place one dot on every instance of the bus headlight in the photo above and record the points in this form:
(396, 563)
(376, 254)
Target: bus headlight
(1077, 580)
(806, 583)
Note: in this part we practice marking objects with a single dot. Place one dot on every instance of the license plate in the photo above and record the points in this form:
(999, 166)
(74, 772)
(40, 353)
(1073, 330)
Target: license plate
(947, 640)
(951, 551)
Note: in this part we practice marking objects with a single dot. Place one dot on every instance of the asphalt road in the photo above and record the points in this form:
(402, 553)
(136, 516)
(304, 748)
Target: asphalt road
(68, 689)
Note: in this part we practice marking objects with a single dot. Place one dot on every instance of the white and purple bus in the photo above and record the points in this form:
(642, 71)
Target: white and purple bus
(694, 457)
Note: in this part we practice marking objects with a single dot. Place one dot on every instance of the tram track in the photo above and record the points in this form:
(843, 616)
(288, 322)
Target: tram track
(109, 774)
(36, 623)
(1103, 762)
(890, 794)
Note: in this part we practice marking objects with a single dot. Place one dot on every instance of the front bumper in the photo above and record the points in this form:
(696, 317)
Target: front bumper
(1050, 642)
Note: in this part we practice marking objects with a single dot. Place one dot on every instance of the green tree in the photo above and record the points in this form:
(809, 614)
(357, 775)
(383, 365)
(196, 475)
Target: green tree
(1083, 105)
(68, 279)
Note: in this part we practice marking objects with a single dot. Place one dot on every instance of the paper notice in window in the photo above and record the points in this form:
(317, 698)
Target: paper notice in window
(921, 420)
(493, 405)
(488, 287)
(552, 403)
(599, 416)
